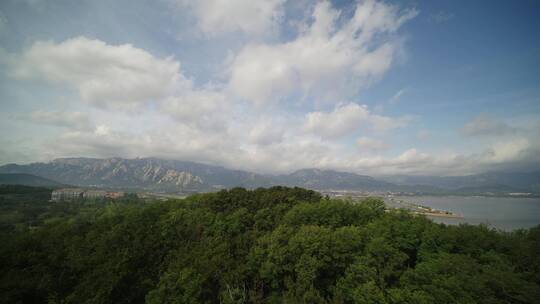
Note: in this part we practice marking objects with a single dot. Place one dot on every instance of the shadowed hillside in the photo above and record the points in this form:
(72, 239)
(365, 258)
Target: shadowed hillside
(27, 180)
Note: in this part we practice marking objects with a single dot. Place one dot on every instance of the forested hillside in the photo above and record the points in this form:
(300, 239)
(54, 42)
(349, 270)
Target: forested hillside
(277, 245)
(27, 180)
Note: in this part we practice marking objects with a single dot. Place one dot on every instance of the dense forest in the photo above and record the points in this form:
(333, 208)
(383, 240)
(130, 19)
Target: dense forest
(276, 245)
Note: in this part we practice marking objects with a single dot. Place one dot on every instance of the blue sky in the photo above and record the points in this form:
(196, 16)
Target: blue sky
(374, 87)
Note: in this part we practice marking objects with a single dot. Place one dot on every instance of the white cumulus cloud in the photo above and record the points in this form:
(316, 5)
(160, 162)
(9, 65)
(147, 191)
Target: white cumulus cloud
(328, 61)
(65, 119)
(485, 125)
(108, 76)
(248, 16)
(371, 144)
(348, 118)
(343, 120)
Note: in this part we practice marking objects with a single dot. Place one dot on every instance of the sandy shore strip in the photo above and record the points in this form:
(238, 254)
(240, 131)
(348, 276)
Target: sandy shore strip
(449, 215)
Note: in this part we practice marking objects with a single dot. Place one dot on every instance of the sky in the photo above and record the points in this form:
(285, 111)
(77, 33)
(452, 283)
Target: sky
(372, 87)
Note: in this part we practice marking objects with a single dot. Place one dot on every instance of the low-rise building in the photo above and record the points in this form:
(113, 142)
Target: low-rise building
(67, 194)
(75, 194)
(94, 194)
(115, 194)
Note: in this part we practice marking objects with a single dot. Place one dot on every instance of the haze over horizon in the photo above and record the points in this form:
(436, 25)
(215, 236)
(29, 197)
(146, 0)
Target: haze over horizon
(371, 87)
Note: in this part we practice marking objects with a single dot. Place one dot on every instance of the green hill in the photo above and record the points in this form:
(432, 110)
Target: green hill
(27, 180)
(276, 245)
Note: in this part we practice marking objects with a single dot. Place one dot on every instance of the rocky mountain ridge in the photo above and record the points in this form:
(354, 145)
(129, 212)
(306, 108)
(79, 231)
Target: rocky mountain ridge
(172, 175)
(176, 176)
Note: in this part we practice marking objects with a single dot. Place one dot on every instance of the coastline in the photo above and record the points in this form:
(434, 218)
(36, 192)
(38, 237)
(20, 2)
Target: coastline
(435, 214)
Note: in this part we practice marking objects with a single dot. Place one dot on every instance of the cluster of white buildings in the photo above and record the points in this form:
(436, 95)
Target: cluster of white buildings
(74, 194)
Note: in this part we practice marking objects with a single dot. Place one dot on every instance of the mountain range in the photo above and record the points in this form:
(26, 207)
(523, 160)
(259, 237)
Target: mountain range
(155, 174)
(27, 180)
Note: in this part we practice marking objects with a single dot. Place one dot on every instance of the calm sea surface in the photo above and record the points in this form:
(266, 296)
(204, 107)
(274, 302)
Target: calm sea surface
(498, 212)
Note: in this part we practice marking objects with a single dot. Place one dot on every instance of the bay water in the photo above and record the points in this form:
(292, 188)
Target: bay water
(498, 212)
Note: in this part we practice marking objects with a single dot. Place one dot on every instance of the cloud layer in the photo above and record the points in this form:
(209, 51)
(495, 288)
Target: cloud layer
(277, 103)
(215, 17)
(348, 118)
(328, 61)
(108, 76)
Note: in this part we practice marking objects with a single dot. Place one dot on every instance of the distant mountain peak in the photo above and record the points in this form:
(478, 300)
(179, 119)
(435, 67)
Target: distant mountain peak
(157, 174)
(175, 175)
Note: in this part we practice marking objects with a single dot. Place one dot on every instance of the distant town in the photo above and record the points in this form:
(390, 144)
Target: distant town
(392, 201)
(390, 198)
(72, 194)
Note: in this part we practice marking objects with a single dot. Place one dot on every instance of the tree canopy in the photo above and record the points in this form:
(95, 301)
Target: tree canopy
(276, 245)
